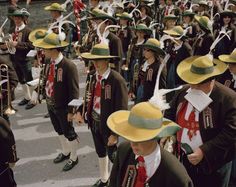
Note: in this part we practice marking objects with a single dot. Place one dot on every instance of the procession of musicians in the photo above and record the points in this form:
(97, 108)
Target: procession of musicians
(174, 59)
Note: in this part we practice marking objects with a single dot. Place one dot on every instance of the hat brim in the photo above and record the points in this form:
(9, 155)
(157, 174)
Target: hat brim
(184, 72)
(49, 8)
(155, 49)
(102, 18)
(90, 56)
(41, 44)
(226, 13)
(118, 123)
(123, 17)
(197, 18)
(32, 37)
(171, 33)
(227, 59)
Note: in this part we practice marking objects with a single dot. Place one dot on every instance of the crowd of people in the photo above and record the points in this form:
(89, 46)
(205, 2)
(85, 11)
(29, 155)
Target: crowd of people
(175, 59)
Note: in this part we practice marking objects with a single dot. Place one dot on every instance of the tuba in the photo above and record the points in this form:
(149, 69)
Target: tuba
(5, 90)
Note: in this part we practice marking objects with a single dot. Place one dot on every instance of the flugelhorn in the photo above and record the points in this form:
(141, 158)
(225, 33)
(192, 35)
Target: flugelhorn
(4, 79)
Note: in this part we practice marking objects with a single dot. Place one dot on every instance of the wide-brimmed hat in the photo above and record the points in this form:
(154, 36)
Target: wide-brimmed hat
(204, 21)
(97, 13)
(37, 34)
(188, 13)
(55, 7)
(144, 122)
(20, 13)
(231, 58)
(142, 27)
(197, 69)
(50, 41)
(170, 17)
(203, 3)
(125, 15)
(227, 13)
(154, 45)
(175, 31)
(99, 51)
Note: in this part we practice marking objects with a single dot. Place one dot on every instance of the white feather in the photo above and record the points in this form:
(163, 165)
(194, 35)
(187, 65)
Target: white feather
(64, 5)
(158, 99)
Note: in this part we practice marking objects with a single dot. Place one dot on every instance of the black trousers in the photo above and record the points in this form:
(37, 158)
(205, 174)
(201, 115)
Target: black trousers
(200, 178)
(100, 138)
(6, 176)
(23, 71)
(59, 121)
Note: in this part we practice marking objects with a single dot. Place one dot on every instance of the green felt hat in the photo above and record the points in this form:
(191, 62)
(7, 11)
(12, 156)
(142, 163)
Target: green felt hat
(50, 41)
(55, 7)
(125, 15)
(99, 51)
(20, 13)
(154, 45)
(142, 27)
(97, 13)
(188, 13)
(227, 13)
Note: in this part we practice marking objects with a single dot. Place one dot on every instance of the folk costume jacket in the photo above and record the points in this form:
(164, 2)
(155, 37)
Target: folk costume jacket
(23, 46)
(114, 97)
(217, 124)
(148, 79)
(66, 84)
(169, 173)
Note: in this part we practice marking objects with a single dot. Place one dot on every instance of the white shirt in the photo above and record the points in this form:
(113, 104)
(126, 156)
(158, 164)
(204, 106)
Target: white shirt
(58, 59)
(145, 66)
(152, 161)
(98, 99)
(17, 29)
(234, 78)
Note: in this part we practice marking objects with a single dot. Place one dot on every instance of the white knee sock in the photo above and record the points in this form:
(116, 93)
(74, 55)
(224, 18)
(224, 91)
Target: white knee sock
(73, 148)
(103, 167)
(34, 98)
(26, 91)
(64, 145)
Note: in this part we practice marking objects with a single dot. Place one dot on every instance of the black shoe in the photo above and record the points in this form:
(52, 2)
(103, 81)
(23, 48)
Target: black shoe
(23, 102)
(29, 106)
(99, 183)
(70, 164)
(61, 157)
(46, 115)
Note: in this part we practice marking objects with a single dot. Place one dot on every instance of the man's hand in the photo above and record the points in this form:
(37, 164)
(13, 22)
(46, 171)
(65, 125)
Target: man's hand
(196, 156)
(78, 118)
(12, 164)
(112, 140)
(70, 117)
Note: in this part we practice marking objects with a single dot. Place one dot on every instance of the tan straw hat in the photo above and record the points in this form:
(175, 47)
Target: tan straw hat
(144, 122)
(37, 34)
(197, 69)
(50, 41)
(231, 58)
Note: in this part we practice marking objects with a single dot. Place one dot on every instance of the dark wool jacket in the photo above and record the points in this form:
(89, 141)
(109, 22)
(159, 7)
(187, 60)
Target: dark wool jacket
(23, 46)
(66, 84)
(114, 97)
(170, 172)
(217, 125)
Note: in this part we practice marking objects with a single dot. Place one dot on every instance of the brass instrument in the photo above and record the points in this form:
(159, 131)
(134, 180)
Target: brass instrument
(87, 95)
(8, 41)
(135, 76)
(4, 78)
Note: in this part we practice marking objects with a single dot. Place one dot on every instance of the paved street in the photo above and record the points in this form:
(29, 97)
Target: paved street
(37, 145)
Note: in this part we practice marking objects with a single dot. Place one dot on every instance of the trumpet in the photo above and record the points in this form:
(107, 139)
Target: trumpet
(4, 78)
(8, 41)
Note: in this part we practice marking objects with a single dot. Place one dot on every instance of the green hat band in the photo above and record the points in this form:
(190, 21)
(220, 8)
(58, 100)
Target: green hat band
(39, 35)
(100, 52)
(52, 41)
(141, 122)
(201, 71)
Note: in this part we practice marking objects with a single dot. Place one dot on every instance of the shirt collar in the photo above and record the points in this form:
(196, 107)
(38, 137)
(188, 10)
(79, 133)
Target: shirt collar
(59, 18)
(58, 59)
(105, 74)
(20, 27)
